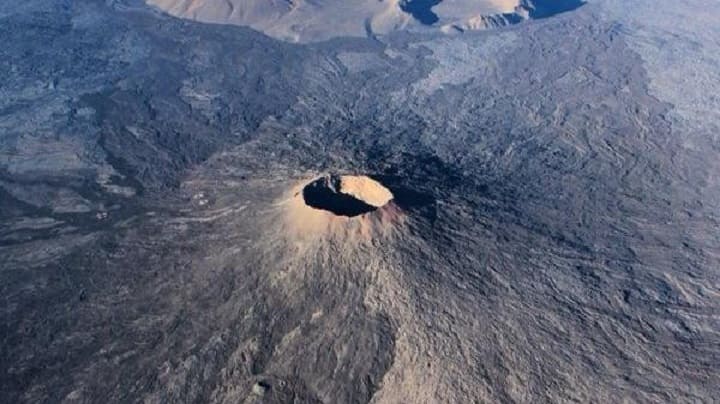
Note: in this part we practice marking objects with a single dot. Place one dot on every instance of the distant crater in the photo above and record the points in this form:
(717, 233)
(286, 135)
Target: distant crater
(538, 9)
(421, 10)
(523, 11)
(346, 195)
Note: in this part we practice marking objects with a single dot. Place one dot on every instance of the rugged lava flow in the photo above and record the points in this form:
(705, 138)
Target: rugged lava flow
(346, 195)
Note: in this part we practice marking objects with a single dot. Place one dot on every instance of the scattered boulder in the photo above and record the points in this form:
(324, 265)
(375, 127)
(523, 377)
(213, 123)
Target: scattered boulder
(260, 388)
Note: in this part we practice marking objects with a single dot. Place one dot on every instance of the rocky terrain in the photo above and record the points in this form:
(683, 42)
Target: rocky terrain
(540, 213)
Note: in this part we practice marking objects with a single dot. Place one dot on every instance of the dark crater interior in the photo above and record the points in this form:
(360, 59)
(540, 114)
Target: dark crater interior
(324, 194)
(421, 10)
(548, 8)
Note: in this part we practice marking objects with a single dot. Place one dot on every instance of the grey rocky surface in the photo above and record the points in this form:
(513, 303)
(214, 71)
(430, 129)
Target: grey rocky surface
(555, 233)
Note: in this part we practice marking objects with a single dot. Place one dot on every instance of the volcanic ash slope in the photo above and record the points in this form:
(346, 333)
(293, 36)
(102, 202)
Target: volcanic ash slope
(301, 21)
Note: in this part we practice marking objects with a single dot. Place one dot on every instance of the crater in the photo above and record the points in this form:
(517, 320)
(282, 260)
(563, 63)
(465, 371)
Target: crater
(421, 10)
(346, 195)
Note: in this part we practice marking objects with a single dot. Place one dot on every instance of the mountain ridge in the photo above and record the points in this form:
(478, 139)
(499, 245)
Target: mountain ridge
(305, 21)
